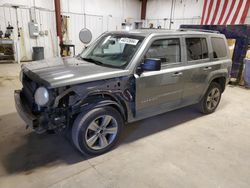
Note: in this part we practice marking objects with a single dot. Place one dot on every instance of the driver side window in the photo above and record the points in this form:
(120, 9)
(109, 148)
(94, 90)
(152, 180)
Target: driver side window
(168, 50)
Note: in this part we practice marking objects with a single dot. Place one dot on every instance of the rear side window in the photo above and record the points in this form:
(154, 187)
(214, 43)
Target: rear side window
(168, 50)
(219, 47)
(196, 48)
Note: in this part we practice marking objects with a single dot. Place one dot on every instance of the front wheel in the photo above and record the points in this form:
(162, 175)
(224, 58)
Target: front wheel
(211, 99)
(97, 131)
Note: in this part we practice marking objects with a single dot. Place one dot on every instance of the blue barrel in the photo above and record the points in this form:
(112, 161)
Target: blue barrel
(247, 72)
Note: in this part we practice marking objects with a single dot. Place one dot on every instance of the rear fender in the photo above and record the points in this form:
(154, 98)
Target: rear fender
(213, 75)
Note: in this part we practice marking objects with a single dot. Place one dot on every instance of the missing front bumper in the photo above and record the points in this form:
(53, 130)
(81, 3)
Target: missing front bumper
(23, 111)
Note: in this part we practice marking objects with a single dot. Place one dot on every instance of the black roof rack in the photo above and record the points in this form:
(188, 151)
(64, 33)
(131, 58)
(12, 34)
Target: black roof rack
(202, 30)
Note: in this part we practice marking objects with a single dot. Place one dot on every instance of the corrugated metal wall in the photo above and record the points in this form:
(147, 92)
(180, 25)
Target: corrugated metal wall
(76, 22)
(176, 22)
(100, 16)
(46, 21)
(183, 12)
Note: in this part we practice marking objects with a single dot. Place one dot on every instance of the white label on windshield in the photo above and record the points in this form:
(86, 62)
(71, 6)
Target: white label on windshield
(129, 41)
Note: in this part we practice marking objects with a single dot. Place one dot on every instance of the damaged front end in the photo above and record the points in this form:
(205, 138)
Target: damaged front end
(39, 117)
(66, 102)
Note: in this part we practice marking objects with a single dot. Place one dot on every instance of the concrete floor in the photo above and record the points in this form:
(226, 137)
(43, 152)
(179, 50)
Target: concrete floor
(176, 149)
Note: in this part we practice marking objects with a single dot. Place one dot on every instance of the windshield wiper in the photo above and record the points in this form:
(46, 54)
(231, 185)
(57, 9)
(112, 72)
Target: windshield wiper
(93, 61)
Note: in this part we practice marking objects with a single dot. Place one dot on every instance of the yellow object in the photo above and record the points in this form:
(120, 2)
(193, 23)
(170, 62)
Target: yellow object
(231, 45)
(248, 54)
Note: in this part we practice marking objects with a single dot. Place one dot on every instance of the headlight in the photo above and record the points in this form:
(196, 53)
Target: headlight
(41, 96)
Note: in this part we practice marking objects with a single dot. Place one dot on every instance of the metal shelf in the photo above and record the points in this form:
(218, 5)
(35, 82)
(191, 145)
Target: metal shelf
(9, 45)
(6, 42)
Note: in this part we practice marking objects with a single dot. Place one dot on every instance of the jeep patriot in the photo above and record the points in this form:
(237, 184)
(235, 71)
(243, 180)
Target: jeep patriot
(120, 78)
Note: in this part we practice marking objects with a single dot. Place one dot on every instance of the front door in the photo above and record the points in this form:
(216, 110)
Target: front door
(160, 91)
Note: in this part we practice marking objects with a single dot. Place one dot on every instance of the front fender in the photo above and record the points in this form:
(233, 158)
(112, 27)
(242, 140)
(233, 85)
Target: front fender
(97, 103)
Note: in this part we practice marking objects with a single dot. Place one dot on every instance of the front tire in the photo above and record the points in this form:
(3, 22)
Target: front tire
(97, 131)
(211, 99)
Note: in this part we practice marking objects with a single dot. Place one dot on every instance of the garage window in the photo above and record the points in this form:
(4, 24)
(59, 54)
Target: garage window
(219, 47)
(196, 48)
(168, 50)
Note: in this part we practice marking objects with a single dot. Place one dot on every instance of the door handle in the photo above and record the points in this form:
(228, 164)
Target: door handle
(176, 74)
(207, 68)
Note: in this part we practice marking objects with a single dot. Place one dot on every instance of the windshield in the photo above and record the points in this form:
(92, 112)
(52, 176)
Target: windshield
(114, 50)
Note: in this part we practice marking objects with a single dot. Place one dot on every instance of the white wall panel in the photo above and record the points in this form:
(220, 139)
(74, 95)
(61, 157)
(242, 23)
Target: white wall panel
(113, 23)
(47, 4)
(95, 24)
(2, 18)
(101, 7)
(76, 6)
(182, 9)
(132, 9)
(64, 5)
(7, 16)
(46, 21)
(184, 12)
(76, 23)
(18, 2)
(25, 41)
(101, 15)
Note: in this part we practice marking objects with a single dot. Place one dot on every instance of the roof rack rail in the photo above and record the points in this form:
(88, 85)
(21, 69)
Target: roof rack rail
(202, 30)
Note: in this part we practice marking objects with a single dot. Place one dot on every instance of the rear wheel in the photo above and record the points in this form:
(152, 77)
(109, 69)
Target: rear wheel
(97, 131)
(211, 99)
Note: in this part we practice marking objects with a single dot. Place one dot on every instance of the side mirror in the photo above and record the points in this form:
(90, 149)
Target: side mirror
(151, 64)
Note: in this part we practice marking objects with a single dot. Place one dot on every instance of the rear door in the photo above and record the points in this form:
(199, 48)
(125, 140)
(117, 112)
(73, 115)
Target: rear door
(198, 68)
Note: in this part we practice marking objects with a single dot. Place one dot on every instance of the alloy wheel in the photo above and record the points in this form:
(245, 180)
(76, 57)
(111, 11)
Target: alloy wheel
(101, 132)
(213, 98)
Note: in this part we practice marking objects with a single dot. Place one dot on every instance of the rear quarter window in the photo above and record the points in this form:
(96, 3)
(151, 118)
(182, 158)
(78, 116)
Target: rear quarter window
(219, 47)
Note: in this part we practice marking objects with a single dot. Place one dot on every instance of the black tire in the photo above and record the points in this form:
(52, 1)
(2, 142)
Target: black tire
(204, 104)
(81, 129)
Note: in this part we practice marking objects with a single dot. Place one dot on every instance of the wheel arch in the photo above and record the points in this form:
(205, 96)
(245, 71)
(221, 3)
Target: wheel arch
(104, 99)
(221, 80)
(218, 76)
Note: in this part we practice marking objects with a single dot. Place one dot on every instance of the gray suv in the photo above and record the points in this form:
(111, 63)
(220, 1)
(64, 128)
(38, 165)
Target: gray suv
(120, 78)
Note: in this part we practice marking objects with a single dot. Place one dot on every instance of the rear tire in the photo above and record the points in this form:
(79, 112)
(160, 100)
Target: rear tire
(211, 99)
(97, 131)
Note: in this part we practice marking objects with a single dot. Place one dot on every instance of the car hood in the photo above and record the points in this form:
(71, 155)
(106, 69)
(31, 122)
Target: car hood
(59, 72)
